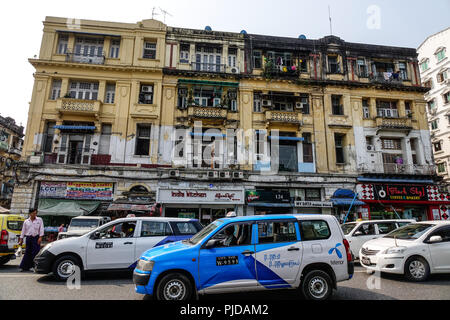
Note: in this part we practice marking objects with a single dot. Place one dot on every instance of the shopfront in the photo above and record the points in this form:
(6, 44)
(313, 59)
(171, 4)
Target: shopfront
(420, 202)
(262, 202)
(205, 205)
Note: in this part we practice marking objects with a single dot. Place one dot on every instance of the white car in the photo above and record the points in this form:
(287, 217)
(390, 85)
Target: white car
(358, 233)
(116, 245)
(82, 225)
(416, 250)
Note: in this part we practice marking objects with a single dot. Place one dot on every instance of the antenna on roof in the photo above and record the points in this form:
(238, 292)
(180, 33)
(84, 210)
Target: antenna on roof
(329, 15)
(154, 13)
(164, 12)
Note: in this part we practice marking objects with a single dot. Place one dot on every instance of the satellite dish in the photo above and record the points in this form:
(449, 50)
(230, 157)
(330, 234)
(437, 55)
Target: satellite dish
(302, 36)
(208, 28)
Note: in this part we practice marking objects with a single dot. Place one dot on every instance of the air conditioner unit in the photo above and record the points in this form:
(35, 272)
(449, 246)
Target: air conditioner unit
(146, 89)
(267, 103)
(213, 174)
(35, 160)
(174, 173)
(238, 175)
(370, 147)
(234, 70)
(225, 175)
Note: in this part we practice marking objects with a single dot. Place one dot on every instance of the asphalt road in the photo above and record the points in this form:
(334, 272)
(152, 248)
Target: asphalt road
(15, 285)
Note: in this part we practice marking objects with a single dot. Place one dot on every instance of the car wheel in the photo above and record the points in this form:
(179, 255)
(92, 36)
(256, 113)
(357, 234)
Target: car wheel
(317, 285)
(417, 269)
(174, 287)
(4, 260)
(64, 267)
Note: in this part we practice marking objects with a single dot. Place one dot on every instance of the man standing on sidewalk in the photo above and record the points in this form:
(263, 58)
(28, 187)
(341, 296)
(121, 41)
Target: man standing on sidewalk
(33, 230)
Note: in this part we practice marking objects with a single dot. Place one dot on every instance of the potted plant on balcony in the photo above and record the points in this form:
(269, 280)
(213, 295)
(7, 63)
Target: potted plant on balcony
(268, 69)
(67, 96)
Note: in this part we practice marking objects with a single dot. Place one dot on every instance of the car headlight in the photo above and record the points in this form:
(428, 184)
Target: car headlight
(48, 246)
(144, 265)
(395, 250)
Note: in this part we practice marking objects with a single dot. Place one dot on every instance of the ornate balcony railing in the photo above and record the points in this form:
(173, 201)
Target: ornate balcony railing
(394, 123)
(284, 116)
(89, 59)
(207, 112)
(208, 67)
(77, 106)
(393, 168)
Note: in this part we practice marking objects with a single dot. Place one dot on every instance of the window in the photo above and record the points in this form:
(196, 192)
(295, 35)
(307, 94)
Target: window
(440, 55)
(155, 229)
(260, 137)
(234, 235)
(63, 42)
(367, 229)
(283, 102)
(366, 109)
(314, 230)
(339, 145)
(362, 68)
(387, 109)
(56, 90)
(391, 144)
(184, 53)
(442, 167)
(303, 64)
(232, 57)
(146, 94)
(119, 230)
(434, 125)
(257, 59)
(83, 90)
(333, 65)
(88, 47)
(149, 50)
(304, 103)
(437, 146)
(47, 143)
(446, 97)
(312, 195)
(257, 107)
(424, 65)
(110, 93)
(384, 228)
(105, 139)
(186, 228)
(428, 84)
(336, 105)
(276, 232)
(210, 96)
(431, 105)
(403, 70)
(308, 156)
(208, 59)
(408, 109)
(115, 47)
(143, 139)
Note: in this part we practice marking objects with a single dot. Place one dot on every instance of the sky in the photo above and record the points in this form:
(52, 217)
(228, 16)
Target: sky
(403, 23)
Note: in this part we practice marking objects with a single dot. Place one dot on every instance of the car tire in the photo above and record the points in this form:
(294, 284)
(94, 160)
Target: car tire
(64, 267)
(174, 287)
(417, 269)
(317, 285)
(4, 260)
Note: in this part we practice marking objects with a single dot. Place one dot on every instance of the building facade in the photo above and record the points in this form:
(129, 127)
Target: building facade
(435, 74)
(203, 122)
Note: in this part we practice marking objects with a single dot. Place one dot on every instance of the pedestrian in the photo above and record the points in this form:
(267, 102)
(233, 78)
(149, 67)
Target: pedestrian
(61, 228)
(33, 231)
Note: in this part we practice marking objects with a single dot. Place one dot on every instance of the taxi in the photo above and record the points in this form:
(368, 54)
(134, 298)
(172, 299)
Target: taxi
(10, 229)
(305, 252)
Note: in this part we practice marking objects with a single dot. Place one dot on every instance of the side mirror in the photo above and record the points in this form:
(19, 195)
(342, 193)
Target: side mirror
(95, 236)
(210, 244)
(358, 233)
(435, 239)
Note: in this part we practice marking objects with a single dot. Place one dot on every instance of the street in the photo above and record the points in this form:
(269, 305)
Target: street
(16, 285)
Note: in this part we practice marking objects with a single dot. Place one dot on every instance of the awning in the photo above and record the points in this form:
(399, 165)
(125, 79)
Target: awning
(270, 205)
(286, 138)
(63, 127)
(130, 207)
(347, 202)
(68, 208)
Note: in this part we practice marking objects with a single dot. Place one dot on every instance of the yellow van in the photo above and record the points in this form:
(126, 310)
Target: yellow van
(10, 229)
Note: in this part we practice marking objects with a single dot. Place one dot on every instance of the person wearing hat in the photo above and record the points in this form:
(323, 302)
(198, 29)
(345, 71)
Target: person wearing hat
(32, 231)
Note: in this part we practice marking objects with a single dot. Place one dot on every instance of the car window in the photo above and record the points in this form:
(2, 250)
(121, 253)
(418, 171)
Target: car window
(155, 229)
(202, 234)
(186, 228)
(276, 232)
(348, 227)
(386, 227)
(410, 232)
(367, 229)
(314, 230)
(239, 234)
(84, 223)
(15, 225)
(443, 232)
(118, 230)
(402, 224)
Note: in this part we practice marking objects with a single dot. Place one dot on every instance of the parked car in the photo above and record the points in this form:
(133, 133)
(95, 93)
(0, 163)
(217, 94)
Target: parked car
(416, 251)
(10, 228)
(358, 233)
(116, 245)
(247, 254)
(82, 225)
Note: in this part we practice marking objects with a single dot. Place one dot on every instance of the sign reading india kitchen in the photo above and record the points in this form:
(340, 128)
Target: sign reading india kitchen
(203, 196)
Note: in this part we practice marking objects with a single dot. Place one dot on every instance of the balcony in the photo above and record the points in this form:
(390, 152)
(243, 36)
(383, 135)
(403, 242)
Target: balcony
(208, 67)
(79, 107)
(284, 117)
(207, 112)
(13, 150)
(88, 59)
(394, 123)
(393, 168)
(66, 155)
(280, 71)
(385, 78)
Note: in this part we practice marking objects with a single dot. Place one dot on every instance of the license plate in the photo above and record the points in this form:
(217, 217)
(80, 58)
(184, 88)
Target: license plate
(365, 261)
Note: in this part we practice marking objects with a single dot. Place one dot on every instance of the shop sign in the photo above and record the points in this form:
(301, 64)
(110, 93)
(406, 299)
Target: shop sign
(76, 190)
(253, 196)
(313, 204)
(393, 192)
(200, 196)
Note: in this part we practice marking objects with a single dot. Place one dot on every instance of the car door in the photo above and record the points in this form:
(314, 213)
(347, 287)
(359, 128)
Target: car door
(114, 248)
(440, 252)
(278, 253)
(230, 264)
(152, 234)
(364, 233)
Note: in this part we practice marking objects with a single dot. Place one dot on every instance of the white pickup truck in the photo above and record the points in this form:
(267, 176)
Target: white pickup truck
(82, 225)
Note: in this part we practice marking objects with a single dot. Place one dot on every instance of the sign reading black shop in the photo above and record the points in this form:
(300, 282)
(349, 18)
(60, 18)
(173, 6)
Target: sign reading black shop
(400, 193)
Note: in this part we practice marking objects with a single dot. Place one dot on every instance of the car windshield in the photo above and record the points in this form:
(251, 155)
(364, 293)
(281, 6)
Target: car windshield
(205, 232)
(348, 227)
(83, 223)
(410, 232)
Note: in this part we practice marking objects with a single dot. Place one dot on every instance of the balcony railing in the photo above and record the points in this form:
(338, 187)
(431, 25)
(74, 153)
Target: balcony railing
(385, 77)
(89, 59)
(393, 168)
(284, 117)
(208, 67)
(15, 151)
(65, 155)
(282, 71)
(77, 106)
(394, 123)
(207, 112)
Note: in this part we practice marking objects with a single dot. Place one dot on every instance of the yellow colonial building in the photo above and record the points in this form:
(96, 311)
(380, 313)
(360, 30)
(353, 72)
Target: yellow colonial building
(202, 122)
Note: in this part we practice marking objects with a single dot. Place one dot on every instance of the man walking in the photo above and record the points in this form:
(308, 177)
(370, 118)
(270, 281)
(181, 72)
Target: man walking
(33, 231)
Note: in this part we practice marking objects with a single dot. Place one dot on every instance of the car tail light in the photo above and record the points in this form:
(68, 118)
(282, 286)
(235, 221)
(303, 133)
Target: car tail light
(4, 237)
(347, 250)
